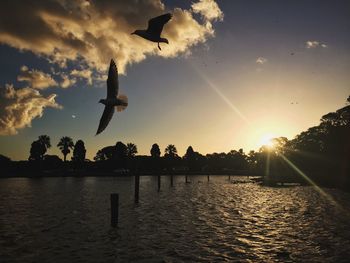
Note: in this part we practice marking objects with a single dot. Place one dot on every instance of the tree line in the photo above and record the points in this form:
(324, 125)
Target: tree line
(40, 146)
(318, 155)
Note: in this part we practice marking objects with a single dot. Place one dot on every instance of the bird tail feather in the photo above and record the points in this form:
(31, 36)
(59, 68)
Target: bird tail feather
(124, 100)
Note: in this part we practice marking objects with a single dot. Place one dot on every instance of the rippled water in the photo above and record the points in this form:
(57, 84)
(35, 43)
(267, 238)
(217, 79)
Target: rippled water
(68, 220)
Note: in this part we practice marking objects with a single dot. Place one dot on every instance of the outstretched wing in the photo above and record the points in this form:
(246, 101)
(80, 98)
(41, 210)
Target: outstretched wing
(156, 24)
(105, 119)
(112, 81)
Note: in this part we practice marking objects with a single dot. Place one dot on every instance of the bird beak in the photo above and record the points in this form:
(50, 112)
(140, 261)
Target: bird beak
(133, 33)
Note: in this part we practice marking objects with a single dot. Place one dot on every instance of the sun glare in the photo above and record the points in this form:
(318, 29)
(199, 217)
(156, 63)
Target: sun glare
(266, 140)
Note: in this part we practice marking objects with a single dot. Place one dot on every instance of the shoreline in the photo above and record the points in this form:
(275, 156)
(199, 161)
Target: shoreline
(112, 174)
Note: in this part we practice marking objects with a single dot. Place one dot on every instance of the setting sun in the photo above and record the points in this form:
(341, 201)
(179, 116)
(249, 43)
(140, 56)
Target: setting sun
(266, 140)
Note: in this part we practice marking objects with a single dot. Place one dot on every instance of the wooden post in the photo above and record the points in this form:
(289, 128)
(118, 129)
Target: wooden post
(158, 182)
(137, 188)
(114, 209)
(171, 180)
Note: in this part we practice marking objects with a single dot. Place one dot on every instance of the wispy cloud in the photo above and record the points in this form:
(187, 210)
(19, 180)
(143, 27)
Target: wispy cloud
(36, 79)
(315, 44)
(20, 106)
(261, 60)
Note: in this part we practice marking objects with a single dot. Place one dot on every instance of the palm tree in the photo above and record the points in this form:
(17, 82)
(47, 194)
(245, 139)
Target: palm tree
(131, 149)
(170, 154)
(171, 151)
(45, 140)
(65, 144)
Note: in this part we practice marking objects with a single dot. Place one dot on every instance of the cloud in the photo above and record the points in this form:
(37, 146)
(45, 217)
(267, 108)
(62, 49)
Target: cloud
(66, 81)
(209, 9)
(20, 106)
(315, 44)
(85, 35)
(36, 79)
(261, 60)
(84, 74)
(97, 30)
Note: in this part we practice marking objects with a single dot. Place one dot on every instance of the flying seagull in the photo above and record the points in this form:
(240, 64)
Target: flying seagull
(155, 27)
(113, 99)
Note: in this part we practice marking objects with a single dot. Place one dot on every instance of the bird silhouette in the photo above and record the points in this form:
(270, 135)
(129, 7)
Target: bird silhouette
(113, 99)
(154, 30)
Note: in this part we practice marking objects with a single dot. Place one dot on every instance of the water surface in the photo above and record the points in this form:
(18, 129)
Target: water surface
(68, 220)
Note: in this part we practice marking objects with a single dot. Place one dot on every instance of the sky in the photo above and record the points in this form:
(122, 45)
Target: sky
(234, 74)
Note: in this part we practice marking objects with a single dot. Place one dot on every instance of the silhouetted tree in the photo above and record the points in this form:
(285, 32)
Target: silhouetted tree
(120, 150)
(236, 161)
(216, 162)
(65, 145)
(170, 151)
(155, 150)
(155, 161)
(120, 155)
(39, 148)
(170, 156)
(4, 159)
(105, 153)
(37, 151)
(79, 151)
(323, 151)
(131, 149)
(279, 144)
(100, 156)
(190, 158)
(45, 140)
(252, 157)
(5, 163)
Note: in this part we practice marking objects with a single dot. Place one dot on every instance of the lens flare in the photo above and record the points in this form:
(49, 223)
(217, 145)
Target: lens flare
(221, 95)
(311, 182)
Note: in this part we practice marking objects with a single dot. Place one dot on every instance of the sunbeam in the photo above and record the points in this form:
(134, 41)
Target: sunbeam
(267, 168)
(311, 182)
(221, 95)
